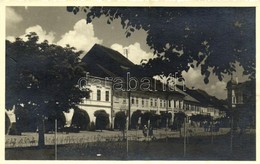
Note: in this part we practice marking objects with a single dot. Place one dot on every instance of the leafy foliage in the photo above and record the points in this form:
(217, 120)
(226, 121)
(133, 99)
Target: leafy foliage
(212, 38)
(50, 122)
(43, 75)
(43, 78)
(152, 117)
(80, 119)
(178, 120)
(134, 118)
(102, 119)
(26, 119)
(165, 119)
(120, 120)
(200, 118)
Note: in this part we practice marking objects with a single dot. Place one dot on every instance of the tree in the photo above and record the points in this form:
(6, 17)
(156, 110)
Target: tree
(7, 123)
(80, 119)
(201, 118)
(213, 39)
(120, 122)
(165, 119)
(152, 117)
(42, 78)
(178, 120)
(135, 118)
(102, 119)
(145, 118)
(155, 118)
(26, 118)
(50, 122)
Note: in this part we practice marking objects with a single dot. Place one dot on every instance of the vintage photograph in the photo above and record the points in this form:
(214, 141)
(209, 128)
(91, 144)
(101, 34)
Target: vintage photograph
(130, 83)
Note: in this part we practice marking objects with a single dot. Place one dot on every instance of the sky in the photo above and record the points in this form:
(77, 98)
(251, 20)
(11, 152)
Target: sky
(60, 27)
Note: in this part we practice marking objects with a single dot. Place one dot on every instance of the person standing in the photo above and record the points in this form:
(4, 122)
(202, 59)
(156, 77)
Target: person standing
(145, 131)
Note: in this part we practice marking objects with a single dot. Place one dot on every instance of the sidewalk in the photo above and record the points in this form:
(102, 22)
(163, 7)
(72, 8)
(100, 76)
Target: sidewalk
(31, 139)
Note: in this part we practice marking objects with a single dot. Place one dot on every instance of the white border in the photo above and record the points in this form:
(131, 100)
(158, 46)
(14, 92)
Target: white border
(164, 3)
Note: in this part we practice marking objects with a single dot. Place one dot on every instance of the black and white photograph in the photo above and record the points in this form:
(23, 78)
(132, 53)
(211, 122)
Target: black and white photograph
(129, 83)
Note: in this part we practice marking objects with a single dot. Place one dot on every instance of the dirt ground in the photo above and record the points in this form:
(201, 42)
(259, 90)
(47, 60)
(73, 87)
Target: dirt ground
(31, 139)
(198, 148)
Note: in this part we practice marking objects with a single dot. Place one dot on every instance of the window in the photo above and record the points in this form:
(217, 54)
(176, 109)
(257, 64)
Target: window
(136, 101)
(169, 103)
(233, 100)
(155, 102)
(177, 104)
(164, 103)
(98, 95)
(133, 100)
(174, 103)
(151, 101)
(181, 104)
(147, 102)
(192, 107)
(160, 103)
(107, 95)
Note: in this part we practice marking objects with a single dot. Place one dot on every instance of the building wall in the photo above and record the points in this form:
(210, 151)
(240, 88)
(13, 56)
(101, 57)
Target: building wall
(139, 100)
(100, 97)
(146, 101)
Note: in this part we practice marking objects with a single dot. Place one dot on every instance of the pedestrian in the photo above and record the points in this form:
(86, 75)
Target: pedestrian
(145, 131)
(205, 124)
(151, 132)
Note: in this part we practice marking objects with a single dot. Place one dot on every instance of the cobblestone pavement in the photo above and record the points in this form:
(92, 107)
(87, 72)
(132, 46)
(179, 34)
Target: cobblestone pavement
(31, 139)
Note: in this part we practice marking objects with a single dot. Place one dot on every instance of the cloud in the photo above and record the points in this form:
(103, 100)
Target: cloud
(10, 38)
(82, 37)
(43, 35)
(12, 18)
(217, 89)
(193, 78)
(135, 53)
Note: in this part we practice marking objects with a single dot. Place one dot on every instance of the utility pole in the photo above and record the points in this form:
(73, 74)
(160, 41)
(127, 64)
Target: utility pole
(56, 127)
(211, 130)
(184, 138)
(128, 121)
(231, 131)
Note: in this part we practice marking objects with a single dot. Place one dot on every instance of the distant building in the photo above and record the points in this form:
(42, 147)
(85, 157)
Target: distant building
(111, 68)
(198, 101)
(242, 99)
(240, 93)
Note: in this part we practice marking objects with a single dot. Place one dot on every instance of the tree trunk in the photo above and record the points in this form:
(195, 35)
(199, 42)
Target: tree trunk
(123, 131)
(41, 130)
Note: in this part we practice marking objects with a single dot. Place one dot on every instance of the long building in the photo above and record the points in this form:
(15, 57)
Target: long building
(117, 84)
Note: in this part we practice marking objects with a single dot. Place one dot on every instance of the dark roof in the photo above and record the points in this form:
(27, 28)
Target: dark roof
(203, 98)
(199, 95)
(187, 97)
(207, 99)
(104, 62)
(101, 60)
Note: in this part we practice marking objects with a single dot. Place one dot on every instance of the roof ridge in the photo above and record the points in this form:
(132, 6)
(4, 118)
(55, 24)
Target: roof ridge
(118, 54)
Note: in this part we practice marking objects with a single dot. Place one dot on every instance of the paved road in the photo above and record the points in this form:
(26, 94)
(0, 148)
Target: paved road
(31, 139)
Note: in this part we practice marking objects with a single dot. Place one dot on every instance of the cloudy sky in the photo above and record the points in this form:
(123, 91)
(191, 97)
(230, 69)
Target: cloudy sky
(58, 26)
